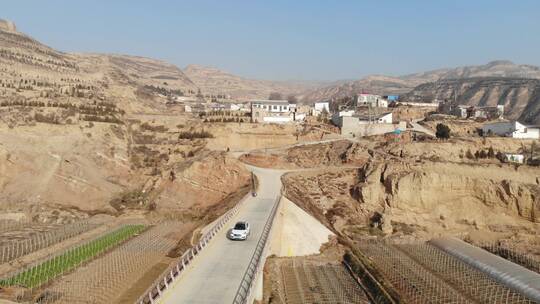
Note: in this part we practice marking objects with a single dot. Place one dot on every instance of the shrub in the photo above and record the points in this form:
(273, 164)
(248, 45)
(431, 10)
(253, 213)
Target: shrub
(146, 126)
(443, 131)
(195, 134)
(39, 274)
(491, 152)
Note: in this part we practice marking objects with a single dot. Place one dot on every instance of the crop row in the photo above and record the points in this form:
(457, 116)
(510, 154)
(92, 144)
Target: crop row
(39, 274)
(11, 250)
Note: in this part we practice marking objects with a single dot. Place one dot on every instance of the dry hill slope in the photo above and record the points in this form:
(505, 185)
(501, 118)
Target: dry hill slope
(31, 70)
(217, 82)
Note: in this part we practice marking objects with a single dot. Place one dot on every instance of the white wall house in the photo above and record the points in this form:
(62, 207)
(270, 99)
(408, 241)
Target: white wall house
(513, 129)
(273, 111)
(514, 158)
(419, 104)
(319, 106)
(361, 125)
(337, 117)
(371, 99)
(385, 118)
(274, 106)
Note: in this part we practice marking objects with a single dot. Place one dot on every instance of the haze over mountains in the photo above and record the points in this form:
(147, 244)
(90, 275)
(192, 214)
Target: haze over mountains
(130, 80)
(386, 85)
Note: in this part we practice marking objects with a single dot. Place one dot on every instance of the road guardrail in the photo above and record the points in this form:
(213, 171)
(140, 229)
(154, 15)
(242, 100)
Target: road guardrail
(245, 290)
(174, 270)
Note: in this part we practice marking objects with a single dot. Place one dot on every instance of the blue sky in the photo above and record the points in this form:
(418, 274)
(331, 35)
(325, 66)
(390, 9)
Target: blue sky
(284, 40)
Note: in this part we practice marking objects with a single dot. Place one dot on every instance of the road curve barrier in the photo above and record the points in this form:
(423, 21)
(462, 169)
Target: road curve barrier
(244, 292)
(175, 269)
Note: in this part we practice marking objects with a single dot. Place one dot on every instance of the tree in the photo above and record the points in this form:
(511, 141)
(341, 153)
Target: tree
(491, 152)
(480, 132)
(275, 96)
(292, 99)
(323, 116)
(443, 131)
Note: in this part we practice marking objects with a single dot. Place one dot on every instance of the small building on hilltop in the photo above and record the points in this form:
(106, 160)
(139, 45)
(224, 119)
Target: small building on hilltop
(357, 125)
(371, 100)
(514, 158)
(385, 118)
(273, 111)
(319, 107)
(512, 129)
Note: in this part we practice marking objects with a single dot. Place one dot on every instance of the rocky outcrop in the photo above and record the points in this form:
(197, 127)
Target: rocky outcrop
(202, 183)
(452, 191)
(420, 199)
(335, 153)
(7, 25)
(328, 154)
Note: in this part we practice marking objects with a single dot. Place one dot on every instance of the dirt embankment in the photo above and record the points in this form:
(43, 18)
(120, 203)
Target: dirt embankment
(61, 165)
(60, 172)
(200, 184)
(409, 113)
(458, 127)
(247, 136)
(422, 200)
(455, 150)
(336, 153)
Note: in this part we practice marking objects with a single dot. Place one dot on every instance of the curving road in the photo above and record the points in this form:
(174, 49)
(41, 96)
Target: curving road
(418, 127)
(217, 272)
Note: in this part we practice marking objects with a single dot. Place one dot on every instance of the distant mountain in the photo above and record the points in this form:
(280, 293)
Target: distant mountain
(387, 85)
(214, 81)
(520, 96)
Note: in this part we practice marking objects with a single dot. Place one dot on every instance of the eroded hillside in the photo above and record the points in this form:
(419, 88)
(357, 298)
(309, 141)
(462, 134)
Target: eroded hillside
(520, 96)
(414, 189)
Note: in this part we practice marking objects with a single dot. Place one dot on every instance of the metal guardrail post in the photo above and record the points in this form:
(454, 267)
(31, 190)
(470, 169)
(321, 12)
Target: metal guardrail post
(185, 259)
(244, 290)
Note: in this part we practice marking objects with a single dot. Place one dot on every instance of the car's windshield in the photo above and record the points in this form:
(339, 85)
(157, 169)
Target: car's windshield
(240, 226)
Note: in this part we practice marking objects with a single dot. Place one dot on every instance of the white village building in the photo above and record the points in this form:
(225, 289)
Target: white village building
(355, 125)
(273, 111)
(514, 158)
(512, 129)
(318, 108)
(371, 100)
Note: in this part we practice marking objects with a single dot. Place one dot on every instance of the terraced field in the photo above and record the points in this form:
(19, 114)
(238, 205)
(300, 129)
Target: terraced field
(307, 282)
(41, 273)
(121, 275)
(25, 239)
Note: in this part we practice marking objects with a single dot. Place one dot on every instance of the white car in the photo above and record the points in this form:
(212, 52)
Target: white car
(240, 231)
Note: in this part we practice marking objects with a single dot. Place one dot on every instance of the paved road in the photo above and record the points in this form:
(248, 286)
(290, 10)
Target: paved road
(217, 272)
(418, 127)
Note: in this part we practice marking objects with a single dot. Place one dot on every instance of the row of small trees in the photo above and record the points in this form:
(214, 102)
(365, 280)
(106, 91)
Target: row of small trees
(482, 154)
(226, 113)
(195, 134)
(99, 108)
(225, 119)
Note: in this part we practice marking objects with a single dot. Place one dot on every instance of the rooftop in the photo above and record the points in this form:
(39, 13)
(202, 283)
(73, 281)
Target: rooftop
(367, 117)
(271, 101)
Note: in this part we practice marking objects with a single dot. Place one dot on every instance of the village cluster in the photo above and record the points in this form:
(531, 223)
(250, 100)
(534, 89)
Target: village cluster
(367, 115)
